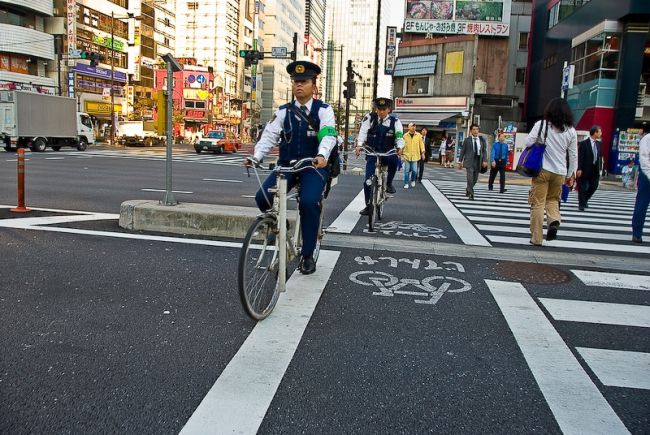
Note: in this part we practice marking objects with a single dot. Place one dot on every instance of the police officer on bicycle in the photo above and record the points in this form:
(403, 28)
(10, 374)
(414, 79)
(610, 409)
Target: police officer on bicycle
(303, 128)
(383, 132)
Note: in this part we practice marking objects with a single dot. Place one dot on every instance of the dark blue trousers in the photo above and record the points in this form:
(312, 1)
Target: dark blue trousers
(311, 190)
(371, 162)
(641, 206)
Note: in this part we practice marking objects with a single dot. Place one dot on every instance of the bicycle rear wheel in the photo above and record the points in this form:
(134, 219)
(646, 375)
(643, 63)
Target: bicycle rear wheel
(320, 234)
(258, 268)
(381, 197)
(373, 208)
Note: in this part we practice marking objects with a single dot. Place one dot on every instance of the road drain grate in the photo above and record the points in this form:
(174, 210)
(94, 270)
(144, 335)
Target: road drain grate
(532, 273)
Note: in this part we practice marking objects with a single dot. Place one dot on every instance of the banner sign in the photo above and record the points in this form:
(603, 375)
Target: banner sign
(71, 17)
(391, 49)
(106, 42)
(469, 17)
(99, 72)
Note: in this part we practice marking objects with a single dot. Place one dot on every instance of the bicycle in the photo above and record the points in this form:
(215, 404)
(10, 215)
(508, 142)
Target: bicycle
(377, 183)
(269, 247)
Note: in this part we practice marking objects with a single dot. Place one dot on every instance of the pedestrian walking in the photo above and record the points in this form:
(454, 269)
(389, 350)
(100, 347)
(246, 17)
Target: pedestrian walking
(557, 131)
(427, 153)
(499, 159)
(590, 165)
(302, 128)
(643, 187)
(473, 157)
(443, 152)
(450, 151)
(382, 132)
(412, 153)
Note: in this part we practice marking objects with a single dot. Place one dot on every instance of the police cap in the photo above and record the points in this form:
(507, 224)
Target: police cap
(383, 103)
(302, 70)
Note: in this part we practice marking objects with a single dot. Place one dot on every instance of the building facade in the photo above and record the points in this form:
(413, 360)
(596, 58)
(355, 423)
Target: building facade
(606, 46)
(26, 49)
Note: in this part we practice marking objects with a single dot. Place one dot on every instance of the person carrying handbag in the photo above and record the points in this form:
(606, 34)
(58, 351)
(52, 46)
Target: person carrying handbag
(544, 196)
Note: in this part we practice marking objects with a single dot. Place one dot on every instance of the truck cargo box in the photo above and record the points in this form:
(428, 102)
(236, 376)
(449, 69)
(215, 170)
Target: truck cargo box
(36, 114)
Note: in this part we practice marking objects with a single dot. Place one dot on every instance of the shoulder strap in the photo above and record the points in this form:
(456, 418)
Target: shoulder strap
(292, 108)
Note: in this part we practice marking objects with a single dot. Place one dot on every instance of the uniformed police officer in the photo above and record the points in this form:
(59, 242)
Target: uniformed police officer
(298, 140)
(382, 131)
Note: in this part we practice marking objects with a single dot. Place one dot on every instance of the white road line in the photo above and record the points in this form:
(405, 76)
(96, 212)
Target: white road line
(576, 403)
(521, 207)
(240, 397)
(526, 223)
(347, 220)
(222, 181)
(598, 312)
(248, 196)
(478, 210)
(565, 233)
(574, 244)
(465, 230)
(54, 158)
(618, 368)
(163, 190)
(51, 220)
(610, 279)
(56, 210)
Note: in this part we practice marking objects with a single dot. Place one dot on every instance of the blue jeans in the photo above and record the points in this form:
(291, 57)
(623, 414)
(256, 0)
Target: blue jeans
(640, 206)
(390, 161)
(410, 171)
(309, 196)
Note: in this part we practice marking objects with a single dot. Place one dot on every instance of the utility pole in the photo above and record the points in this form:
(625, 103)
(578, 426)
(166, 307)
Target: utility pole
(112, 78)
(376, 72)
(294, 53)
(349, 93)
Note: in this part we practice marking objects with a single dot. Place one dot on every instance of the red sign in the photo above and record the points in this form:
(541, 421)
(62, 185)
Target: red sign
(243, 111)
(195, 113)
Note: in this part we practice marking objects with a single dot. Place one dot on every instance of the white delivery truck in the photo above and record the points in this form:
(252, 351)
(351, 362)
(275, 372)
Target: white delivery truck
(138, 133)
(38, 121)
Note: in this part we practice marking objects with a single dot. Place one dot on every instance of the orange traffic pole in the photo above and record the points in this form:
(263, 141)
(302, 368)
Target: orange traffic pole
(21, 183)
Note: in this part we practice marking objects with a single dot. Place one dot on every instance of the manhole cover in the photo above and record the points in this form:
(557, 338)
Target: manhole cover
(532, 273)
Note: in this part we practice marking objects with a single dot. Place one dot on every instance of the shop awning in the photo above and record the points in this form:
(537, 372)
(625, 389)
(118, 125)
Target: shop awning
(425, 118)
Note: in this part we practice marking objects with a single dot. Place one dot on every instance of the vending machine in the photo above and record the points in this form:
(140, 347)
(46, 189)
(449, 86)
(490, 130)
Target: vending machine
(510, 134)
(625, 146)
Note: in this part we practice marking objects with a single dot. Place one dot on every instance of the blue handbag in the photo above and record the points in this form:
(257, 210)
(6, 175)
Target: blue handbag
(531, 159)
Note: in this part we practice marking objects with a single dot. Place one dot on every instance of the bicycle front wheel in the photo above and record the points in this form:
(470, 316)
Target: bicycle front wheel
(258, 268)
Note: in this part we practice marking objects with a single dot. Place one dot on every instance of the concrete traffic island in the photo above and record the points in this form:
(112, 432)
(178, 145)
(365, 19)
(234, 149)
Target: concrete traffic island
(189, 218)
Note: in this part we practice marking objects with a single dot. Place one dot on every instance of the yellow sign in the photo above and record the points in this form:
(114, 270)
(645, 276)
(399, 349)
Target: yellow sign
(454, 62)
(97, 108)
(202, 94)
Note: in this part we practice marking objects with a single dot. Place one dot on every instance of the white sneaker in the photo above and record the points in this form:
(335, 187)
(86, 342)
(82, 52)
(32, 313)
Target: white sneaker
(406, 186)
(412, 183)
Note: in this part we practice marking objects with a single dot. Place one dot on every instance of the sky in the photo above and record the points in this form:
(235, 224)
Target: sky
(392, 12)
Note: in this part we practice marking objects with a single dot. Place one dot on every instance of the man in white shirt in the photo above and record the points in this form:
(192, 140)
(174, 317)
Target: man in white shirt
(643, 188)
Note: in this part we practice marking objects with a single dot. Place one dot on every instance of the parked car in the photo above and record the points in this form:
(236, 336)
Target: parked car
(218, 141)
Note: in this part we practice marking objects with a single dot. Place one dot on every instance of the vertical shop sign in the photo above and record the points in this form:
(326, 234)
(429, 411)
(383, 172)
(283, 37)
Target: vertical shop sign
(71, 17)
(391, 49)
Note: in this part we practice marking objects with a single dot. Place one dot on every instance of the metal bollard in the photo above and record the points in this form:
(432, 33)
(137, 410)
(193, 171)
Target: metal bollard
(21, 183)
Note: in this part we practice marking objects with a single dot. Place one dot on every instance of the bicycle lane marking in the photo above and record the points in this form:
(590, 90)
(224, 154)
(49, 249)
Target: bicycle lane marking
(239, 399)
(576, 403)
(347, 220)
(465, 230)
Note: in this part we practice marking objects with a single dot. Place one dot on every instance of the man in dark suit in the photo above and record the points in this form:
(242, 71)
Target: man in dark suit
(473, 157)
(590, 165)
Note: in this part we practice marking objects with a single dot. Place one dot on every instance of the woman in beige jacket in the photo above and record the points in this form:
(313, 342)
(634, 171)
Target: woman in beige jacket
(412, 152)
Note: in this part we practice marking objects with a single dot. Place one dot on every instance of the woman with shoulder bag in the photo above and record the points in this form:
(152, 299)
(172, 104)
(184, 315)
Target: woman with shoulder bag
(560, 137)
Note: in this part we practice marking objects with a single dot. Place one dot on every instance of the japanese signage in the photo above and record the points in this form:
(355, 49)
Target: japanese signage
(97, 108)
(106, 42)
(99, 72)
(471, 17)
(391, 48)
(71, 18)
(192, 113)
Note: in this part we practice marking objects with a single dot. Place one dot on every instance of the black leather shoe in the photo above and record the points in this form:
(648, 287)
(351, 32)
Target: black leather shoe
(466, 192)
(364, 212)
(504, 190)
(490, 188)
(637, 240)
(551, 234)
(581, 208)
(390, 189)
(307, 265)
(471, 197)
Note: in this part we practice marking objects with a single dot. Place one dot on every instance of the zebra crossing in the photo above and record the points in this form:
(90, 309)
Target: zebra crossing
(157, 155)
(578, 404)
(505, 218)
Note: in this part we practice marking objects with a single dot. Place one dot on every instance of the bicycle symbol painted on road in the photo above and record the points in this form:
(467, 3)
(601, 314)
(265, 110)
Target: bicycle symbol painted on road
(399, 228)
(432, 287)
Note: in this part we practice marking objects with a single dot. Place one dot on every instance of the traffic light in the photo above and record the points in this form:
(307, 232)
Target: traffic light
(161, 110)
(351, 86)
(93, 57)
(251, 57)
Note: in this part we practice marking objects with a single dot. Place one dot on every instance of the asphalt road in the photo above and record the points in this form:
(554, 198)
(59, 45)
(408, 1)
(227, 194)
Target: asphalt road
(107, 331)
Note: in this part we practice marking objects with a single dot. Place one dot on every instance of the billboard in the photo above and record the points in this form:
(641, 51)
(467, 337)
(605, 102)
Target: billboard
(482, 17)
(391, 49)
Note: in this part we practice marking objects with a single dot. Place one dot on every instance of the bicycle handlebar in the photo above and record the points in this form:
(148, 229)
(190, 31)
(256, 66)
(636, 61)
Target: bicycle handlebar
(374, 153)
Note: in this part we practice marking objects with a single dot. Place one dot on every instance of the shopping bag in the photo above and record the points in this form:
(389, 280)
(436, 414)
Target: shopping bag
(531, 159)
(565, 193)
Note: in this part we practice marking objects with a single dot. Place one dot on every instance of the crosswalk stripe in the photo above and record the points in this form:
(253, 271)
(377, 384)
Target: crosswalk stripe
(610, 279)
(523, 202)
(465, 230)
(519, 206)
(523, 196)
(239, 399)
(526, 214)
(347, 220)
(618, 368)
(573, 244)
(565, 233)
(526, 222)
(577, 404)
(598, 312)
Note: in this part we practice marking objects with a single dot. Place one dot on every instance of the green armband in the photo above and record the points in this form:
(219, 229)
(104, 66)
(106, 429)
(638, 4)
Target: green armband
(399, 134)
(328, 130)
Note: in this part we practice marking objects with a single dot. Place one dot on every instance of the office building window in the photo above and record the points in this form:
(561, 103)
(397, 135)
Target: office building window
(520, 76)
(417, 85)
(523, 40)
